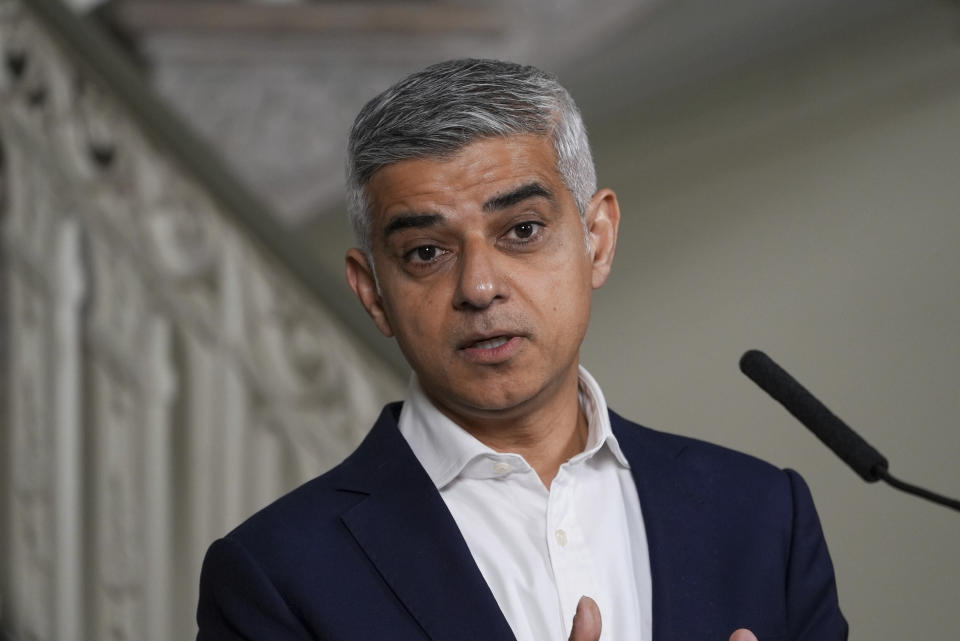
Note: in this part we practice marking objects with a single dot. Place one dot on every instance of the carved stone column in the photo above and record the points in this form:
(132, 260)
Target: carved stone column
(46, 285)
(132, 386)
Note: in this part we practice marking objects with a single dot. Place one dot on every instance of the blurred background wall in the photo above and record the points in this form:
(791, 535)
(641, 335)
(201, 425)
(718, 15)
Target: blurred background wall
(787, 176)
(807, 206)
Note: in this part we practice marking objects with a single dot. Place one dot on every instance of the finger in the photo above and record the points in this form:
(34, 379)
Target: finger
(586, 621)
(743, 635)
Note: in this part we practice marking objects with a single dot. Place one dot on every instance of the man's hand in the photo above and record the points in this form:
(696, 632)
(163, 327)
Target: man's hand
(586, 624)
(586, 621)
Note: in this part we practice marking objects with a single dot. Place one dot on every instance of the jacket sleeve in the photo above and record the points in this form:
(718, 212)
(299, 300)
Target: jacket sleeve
(813, 612)
(239, 602)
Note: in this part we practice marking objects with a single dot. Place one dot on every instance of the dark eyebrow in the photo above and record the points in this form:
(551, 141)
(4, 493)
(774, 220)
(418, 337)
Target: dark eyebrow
(518, 195)
(406, 221)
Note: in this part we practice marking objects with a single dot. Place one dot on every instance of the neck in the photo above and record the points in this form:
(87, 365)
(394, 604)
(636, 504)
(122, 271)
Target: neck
(546, 435)
(544, 448)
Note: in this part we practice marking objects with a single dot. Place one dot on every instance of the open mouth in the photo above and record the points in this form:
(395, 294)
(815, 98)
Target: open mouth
(490, 343)
(491, 350)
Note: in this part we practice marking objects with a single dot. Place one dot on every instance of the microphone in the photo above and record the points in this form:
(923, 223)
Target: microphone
(835, 434)
(866, 461)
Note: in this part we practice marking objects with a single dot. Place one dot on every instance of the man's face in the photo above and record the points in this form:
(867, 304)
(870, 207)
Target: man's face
(485, 274)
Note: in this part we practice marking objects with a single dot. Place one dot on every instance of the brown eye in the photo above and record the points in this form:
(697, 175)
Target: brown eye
(424, 255)
(524, 230)
(426, 252)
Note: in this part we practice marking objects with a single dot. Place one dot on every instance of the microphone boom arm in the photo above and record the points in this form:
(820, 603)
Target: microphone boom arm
(827, 426)
(891, 480)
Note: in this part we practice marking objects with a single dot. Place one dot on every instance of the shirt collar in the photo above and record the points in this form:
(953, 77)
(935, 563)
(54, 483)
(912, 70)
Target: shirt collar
(445, 449)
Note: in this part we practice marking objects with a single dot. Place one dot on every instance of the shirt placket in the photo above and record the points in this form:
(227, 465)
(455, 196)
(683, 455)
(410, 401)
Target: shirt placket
(569, 559)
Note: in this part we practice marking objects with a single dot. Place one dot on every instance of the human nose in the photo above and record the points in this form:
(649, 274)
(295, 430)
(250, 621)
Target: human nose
(479, 281)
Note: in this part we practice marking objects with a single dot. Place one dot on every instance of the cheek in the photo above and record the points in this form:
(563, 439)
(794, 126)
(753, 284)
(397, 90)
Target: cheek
(415, 316)
(565, 304)
(574, 302)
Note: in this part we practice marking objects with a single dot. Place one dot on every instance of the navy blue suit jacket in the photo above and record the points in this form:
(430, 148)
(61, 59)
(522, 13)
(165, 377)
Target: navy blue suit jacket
(369, 551)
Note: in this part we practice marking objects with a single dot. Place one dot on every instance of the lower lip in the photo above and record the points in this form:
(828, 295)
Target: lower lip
(493, 355)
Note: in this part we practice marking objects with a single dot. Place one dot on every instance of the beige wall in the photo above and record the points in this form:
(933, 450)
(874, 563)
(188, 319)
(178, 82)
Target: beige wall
(808, 207)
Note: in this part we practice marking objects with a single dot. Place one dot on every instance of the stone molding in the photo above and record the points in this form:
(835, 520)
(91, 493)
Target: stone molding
(167, 374)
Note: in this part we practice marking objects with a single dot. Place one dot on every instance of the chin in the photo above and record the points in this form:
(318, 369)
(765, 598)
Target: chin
(499, 398)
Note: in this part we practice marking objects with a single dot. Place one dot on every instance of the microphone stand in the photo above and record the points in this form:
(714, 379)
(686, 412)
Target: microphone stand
(886, 477)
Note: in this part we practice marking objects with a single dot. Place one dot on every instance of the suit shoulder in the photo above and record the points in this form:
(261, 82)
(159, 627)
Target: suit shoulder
(314, 508)
(308, 510)
(707, 457)
(737, 487)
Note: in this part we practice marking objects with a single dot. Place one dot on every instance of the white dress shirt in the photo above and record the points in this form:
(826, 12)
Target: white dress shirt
(540, 550)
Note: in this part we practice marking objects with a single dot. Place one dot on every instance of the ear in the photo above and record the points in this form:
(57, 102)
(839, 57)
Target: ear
(363, 283)
(603, 222)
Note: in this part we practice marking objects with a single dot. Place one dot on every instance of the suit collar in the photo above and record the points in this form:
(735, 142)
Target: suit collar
(407, 532)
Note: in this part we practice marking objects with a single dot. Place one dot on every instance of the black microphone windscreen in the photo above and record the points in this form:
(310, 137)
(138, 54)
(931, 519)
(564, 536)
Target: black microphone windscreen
(835, 434)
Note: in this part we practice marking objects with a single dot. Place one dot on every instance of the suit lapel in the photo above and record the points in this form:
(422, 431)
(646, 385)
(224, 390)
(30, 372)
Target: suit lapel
(407, 532)
(669, 500)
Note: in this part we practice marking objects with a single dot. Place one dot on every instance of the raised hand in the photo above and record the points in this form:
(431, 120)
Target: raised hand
(586, 621)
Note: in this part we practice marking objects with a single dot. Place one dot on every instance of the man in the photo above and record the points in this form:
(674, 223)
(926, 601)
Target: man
(502, 489)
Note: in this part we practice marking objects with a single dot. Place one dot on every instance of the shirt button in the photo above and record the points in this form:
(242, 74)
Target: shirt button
(501, 467)
(561, 538)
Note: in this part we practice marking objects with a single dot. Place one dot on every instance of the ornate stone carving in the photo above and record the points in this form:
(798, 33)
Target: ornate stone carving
(119, 488)
(46, 290)
(108, 243)
(32, 519)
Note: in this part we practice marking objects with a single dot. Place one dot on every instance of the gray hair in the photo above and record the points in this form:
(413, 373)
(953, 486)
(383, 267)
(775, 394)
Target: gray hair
(438, 111)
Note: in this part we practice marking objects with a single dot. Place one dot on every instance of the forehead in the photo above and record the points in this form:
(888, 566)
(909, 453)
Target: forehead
(473, 174)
